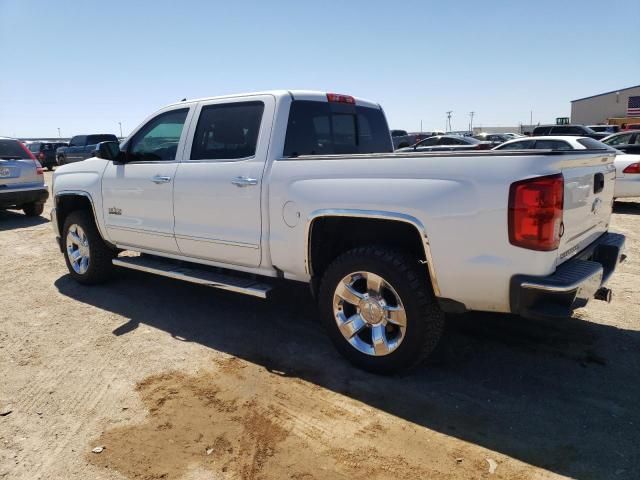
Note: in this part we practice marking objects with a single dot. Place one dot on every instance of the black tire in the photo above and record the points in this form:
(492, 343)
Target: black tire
(60, 161)
(50, 168)
(100, 267)
(424, 318)
(33, 209)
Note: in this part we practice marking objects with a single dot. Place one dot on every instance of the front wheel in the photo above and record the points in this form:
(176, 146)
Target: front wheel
(88, 257)
(379, 309)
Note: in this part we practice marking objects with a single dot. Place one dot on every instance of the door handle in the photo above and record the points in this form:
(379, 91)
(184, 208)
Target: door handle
(161, 179)
(244, 181)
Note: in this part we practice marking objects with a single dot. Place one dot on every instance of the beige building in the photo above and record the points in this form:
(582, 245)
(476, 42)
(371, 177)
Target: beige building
(597, 108)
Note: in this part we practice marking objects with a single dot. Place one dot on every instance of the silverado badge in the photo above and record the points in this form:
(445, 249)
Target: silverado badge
(114, 211)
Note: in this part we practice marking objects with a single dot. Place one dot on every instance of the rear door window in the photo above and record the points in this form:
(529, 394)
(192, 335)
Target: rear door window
(227, 131)
(323, 128)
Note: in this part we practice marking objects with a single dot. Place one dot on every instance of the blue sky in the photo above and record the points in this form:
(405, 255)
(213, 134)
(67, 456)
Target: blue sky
(84, 66)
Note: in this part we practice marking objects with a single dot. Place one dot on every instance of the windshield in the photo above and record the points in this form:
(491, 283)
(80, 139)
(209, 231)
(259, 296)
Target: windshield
(34, 147)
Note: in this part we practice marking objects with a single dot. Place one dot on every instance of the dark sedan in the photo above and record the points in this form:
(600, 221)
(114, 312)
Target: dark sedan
(627, 141)
(443, 143)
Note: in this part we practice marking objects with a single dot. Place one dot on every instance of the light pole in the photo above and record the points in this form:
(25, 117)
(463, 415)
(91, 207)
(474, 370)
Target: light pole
(471, 114)
(59, 136)
(120, 124)
(448, 128)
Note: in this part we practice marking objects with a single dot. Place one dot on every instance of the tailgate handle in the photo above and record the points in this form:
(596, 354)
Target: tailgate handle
(598, 182)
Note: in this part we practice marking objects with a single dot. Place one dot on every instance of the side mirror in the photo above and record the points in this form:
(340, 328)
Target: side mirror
(109, 151)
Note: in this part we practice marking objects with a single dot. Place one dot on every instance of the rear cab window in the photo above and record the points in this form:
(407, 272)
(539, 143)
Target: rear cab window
(324, 128)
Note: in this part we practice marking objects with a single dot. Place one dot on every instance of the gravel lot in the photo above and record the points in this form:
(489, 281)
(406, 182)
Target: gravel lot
(178, 381)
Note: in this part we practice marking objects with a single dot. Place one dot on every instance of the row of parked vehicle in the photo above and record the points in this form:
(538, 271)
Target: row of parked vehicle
(555, 138)
(626, 141)
(51, 153)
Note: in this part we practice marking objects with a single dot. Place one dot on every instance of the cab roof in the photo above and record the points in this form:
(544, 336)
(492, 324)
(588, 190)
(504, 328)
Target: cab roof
(312, 95)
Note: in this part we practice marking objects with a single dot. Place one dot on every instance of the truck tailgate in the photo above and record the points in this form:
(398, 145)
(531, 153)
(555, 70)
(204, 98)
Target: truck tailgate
(589, 183)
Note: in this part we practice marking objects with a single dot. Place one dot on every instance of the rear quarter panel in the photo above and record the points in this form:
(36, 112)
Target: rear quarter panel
(462, 200)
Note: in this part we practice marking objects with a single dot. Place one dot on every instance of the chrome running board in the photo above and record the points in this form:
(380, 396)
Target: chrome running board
(202, 276)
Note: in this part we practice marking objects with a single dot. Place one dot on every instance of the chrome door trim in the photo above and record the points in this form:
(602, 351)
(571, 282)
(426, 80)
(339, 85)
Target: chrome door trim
(376, 214)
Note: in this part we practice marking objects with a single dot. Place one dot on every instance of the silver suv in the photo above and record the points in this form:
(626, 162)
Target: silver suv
(21, 179)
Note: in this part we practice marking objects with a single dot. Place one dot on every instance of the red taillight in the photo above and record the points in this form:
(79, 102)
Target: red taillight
(535, 212)
(633, 168)
(337, 98)
(484, 146)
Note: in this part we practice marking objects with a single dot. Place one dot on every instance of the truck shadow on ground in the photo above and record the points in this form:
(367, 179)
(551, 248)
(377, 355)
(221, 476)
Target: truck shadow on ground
(562, 396)
(10, 220)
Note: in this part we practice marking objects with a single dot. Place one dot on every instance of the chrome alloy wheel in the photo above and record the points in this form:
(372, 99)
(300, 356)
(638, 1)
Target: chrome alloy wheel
(78, 249)
(369, 313)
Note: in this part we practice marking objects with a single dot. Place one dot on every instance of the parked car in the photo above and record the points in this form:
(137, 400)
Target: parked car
(416, 137)
(493, 138)
(441, 143)
(22, 184)
(82, 147)
(400, 138)
(573, 130)
(627, 166)
(631, 126)
(45, 152)
(260, 187)
(627, 141)
(512, 135)
(608, 129)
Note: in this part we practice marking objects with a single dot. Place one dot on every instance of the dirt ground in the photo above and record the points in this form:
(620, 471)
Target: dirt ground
(177, 381)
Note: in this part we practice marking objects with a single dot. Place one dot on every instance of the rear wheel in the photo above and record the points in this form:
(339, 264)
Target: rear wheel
(379, 309)
(33, 209)
(88, 257)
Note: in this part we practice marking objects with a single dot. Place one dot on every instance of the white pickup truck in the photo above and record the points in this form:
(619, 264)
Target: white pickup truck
(236, 192)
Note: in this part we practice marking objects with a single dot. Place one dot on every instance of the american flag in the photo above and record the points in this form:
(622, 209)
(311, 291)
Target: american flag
(633, 107)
